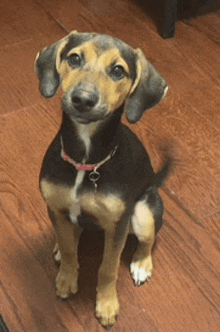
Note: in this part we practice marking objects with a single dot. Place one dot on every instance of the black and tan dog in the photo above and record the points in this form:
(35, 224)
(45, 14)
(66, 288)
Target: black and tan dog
(96, 173)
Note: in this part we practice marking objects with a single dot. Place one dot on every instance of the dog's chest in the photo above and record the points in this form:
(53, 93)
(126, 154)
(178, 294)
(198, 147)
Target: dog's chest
(107, 209)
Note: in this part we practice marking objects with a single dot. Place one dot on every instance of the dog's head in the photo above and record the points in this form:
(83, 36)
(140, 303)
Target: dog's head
(98, 74)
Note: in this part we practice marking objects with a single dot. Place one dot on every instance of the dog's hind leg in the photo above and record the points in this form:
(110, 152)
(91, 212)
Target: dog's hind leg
(146, 220)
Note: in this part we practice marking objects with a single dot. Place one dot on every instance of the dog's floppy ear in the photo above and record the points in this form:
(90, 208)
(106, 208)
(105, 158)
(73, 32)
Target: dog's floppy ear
(46, 64)
(148, 89)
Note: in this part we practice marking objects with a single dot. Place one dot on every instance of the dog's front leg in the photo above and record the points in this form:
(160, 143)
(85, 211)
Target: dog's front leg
(68, 236)
(107, 305)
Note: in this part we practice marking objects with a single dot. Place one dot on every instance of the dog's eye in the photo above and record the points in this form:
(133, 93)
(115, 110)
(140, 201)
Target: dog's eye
(74, 60)
(118, 72)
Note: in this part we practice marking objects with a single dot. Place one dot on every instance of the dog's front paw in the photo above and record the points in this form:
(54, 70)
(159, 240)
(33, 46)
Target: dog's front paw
(107, 310)
(66, 282)
(141, 270)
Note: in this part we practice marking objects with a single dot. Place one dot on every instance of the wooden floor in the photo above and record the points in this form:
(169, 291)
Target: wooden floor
(184, 294)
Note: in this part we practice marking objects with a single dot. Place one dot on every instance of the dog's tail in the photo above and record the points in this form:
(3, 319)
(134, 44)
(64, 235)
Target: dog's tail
(163, 173)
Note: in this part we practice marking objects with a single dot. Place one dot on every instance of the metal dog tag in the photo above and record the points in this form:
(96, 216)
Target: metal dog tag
(94, 177)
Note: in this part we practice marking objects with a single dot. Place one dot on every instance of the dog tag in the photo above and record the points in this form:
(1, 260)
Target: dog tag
(94, 177)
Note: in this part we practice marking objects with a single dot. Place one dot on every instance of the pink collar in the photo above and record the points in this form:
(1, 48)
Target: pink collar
(85, 167)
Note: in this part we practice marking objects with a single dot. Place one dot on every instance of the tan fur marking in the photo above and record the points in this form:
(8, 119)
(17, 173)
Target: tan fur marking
(68, 238)
(143, 221)
(143, 225)
(57, 196)
(89, 128)
(64, 70)
(62, 43)
(89, 51)
(35, 62)
(107, 209)
(113, 93)
(110, 56)
(138, 76)
(86, 131)
(141, 63)
(107, 305)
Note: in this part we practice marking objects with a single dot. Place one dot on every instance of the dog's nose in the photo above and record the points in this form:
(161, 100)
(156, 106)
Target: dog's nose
(84, 100)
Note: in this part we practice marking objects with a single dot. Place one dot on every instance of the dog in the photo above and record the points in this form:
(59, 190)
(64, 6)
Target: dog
(96, 173)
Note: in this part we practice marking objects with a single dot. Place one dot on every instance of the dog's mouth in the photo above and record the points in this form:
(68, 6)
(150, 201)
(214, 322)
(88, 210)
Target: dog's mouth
(100, 116)
(83, 120)
(85, 117)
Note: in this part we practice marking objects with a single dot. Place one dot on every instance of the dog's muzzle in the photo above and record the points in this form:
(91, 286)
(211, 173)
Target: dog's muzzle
(84, 97)
(84, 104)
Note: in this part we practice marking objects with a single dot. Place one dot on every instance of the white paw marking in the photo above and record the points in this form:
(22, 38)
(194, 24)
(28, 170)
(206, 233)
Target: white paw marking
(57, 256)
(140, 275)
(62, 296)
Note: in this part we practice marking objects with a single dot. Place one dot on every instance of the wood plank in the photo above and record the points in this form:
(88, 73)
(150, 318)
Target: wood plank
(72, 15)
(18, 84)
(22, 35)
(19, 25)
(208, 25)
